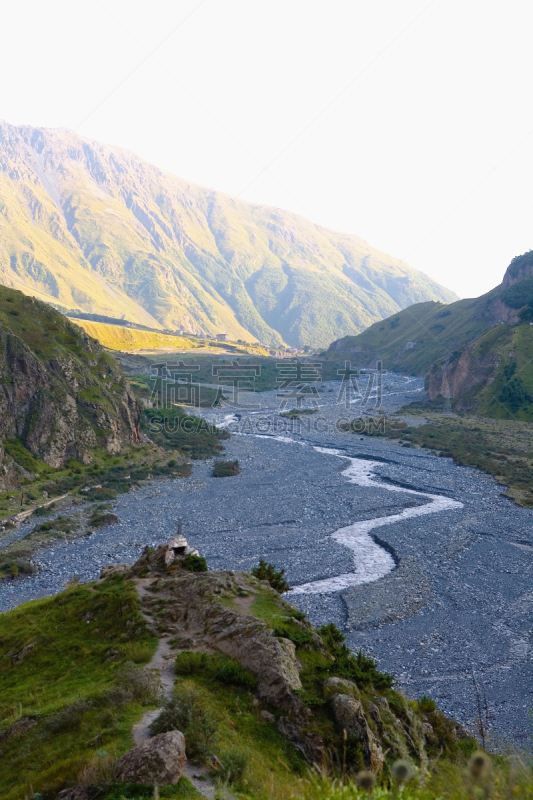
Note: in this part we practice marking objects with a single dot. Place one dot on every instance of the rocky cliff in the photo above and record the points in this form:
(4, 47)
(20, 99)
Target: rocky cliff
(61, 395)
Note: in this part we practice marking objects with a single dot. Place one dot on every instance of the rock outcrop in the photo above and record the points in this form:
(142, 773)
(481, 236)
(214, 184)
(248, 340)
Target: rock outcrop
(157, 762)
(9, 475)
(198, 620)
(350, 716)
(60, 394)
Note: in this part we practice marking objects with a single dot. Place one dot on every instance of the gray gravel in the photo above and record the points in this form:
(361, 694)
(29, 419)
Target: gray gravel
(459, 600)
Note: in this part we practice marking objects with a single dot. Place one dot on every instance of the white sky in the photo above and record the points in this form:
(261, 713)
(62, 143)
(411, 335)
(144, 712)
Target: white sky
(406, 122)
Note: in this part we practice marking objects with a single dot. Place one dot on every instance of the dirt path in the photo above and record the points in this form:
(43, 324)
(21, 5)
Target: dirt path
(163, 662)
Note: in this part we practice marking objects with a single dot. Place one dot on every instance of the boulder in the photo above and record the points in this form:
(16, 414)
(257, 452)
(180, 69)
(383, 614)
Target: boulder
(157, 762)
(341, 686)
(349, 716)
(77, 793)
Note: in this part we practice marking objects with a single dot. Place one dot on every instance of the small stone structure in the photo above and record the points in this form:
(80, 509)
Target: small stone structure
(178, 547)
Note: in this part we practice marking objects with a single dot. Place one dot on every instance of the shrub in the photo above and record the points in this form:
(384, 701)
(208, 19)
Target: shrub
(515, 394)
(268, 572)
(225, 469)
(299, 615)
(194, 563)
(230, 671)
(43, 511)
(299, 636)
(102, 520)
(360, 669)
(138, 652)
(136, 685)
(190, 662)
(427, 705)
(234, 764)
(188, 712)
(69, 718)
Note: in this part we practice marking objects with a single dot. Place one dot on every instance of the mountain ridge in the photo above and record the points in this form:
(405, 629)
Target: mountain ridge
(98, 229)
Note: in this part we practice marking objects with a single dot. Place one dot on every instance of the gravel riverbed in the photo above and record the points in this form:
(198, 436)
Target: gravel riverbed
(457, 602)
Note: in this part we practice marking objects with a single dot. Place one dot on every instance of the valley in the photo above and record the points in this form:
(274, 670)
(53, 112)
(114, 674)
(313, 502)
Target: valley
(457, 602)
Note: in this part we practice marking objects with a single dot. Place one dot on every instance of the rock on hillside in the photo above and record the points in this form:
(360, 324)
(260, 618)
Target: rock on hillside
(97, 229)
(60, 393)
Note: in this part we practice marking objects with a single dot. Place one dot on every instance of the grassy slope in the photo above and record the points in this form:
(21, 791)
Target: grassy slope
(435, 329)
(98, 229)
(118, 337)
(62, 681)
(73, 679)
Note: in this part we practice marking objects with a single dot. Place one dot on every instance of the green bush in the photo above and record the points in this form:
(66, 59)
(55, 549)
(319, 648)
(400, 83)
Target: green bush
(190, 662)
(194, 563)
(225, 469)
(299, 636)
(360, 669)
(299, 615)
(268, 572)
(102, 520)
(135, 684)
(69, 718)
(515, 394)
(427, 705)
(138, 652)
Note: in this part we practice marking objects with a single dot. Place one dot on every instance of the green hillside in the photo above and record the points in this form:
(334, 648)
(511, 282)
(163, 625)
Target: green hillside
(73, 686)
(432, 328)
(477, 352)
(96, 229)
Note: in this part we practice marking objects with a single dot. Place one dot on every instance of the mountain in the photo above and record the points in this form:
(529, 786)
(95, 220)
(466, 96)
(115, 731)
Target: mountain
(97, 229)
(478, 352)
(61, 394)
